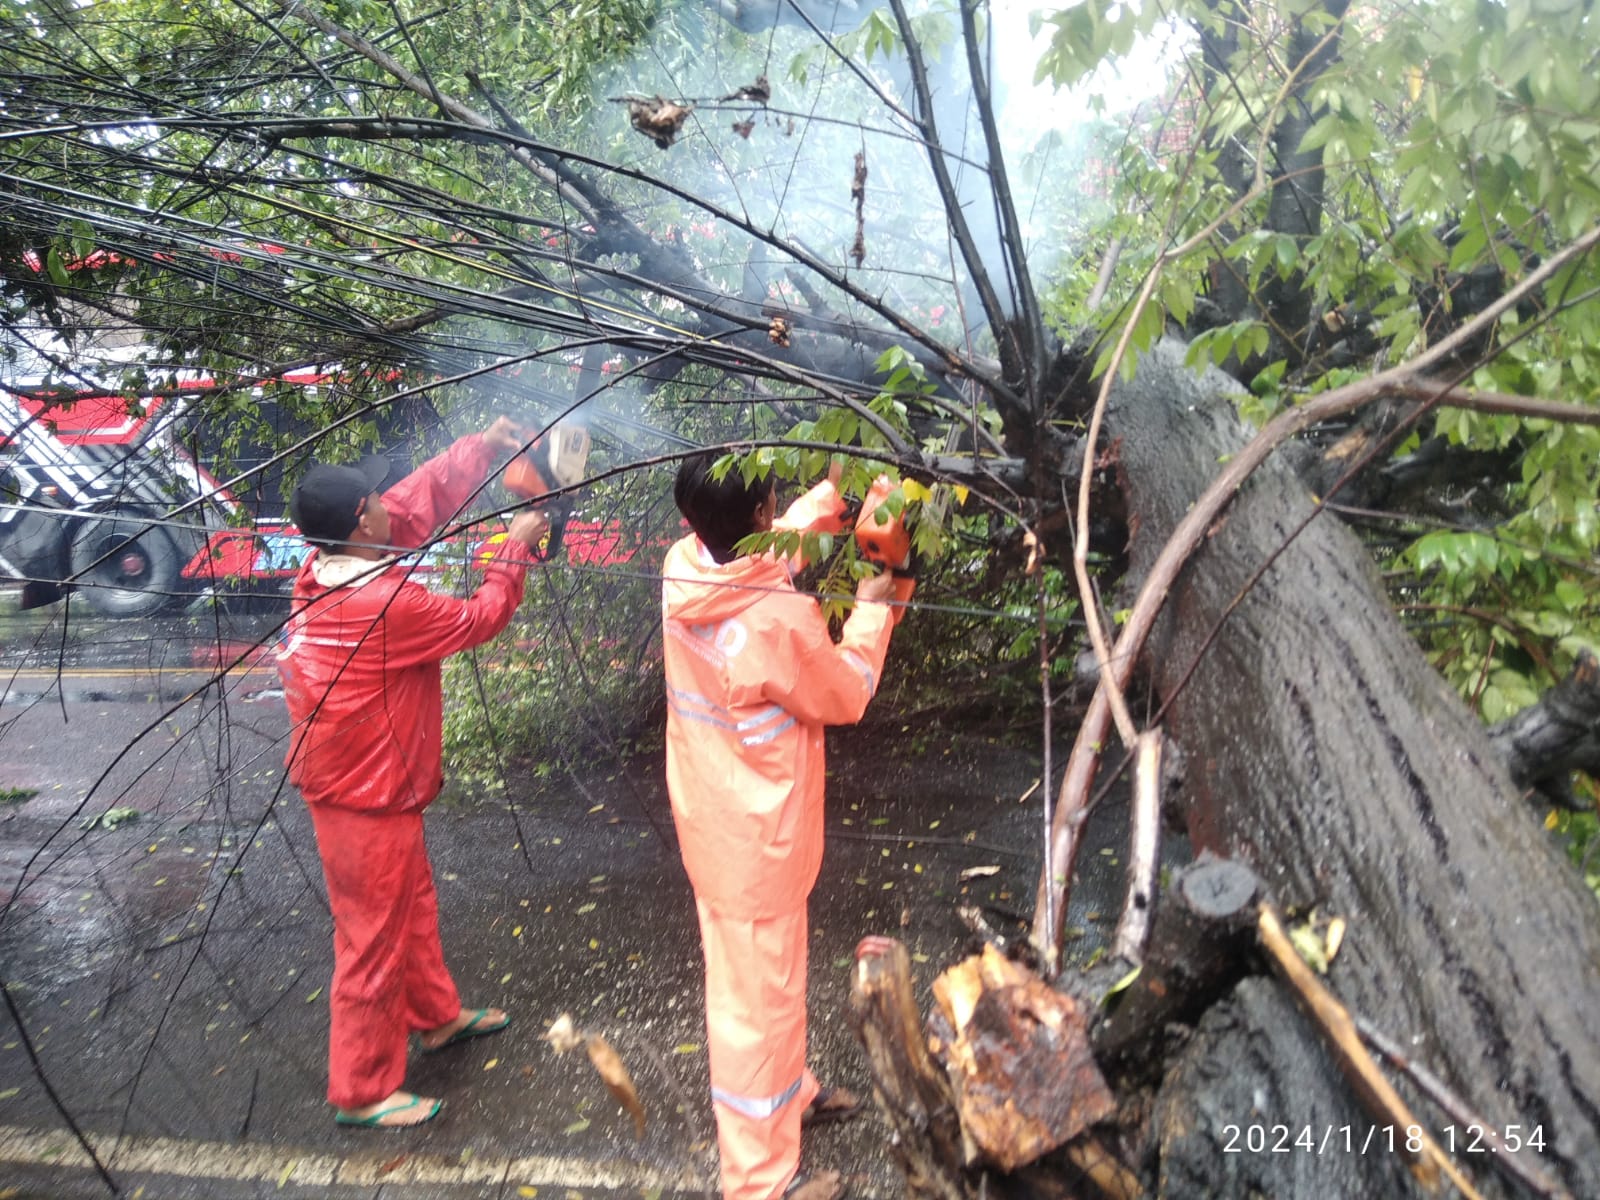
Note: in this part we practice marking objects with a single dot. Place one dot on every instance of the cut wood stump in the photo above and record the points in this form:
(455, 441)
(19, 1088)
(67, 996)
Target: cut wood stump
(909, 1087)
(1200, 946)
(1004, 1078)
(1018, 1054)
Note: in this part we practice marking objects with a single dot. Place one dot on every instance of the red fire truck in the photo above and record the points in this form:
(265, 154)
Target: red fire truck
(96, 492)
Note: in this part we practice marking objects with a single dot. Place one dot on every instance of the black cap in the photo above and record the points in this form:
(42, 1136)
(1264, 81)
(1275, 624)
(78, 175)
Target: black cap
(327, 503)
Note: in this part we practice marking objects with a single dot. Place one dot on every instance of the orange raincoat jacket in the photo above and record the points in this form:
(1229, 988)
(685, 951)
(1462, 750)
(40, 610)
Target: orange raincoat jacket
(752, 678)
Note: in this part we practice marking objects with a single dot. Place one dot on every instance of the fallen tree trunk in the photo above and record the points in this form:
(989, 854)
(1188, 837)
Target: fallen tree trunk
(1323, 750)
(1237, 1096)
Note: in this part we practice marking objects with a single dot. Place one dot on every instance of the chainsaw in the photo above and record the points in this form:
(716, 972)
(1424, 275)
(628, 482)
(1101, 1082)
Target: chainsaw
(554, 463)
(883, 539)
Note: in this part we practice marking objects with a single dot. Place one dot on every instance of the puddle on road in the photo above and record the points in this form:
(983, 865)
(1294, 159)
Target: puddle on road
(96, 906)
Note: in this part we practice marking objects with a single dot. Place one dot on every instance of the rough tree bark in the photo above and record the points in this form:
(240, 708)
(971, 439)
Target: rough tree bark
(1324, 751)
(1544, 743)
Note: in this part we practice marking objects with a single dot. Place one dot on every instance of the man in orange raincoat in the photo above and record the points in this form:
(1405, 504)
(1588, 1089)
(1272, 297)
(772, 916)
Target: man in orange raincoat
(752, 678)
(360, 667)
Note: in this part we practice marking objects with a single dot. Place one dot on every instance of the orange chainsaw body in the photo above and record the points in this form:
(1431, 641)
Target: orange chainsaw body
(884, 540)
(555, 463)
(557, 460)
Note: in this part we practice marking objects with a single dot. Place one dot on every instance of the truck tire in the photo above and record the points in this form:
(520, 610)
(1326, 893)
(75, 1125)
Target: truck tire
(119, 577)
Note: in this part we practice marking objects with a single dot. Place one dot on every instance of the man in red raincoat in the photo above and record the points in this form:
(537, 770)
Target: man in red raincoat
(752, 678)
(360, 666)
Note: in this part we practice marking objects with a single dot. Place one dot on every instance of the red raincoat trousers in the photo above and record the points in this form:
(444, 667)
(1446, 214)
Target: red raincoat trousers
(752, 678)
(360, 666)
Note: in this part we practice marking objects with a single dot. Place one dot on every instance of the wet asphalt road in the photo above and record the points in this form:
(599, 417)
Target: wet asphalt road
(170, 970)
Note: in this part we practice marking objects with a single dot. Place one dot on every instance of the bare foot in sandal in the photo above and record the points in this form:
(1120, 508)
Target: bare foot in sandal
(831, 1104)
(402, 1110)
(469, 1023)
(824, 1185)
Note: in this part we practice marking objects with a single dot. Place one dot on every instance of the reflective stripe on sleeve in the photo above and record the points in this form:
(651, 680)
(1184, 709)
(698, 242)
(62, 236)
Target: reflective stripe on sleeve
(865, 671)
(694, 707)
(761, 739)
(685, 704)
(306, 639)
(758, 1108)
(761, 718)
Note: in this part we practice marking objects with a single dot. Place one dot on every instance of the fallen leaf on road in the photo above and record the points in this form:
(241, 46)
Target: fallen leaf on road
(111, 818)
(563, 1034)
(1336, 929)
(979, 872)
(617, 1080)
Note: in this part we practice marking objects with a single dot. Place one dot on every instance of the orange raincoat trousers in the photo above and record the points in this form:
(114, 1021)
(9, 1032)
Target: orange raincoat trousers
(360, 668)
(752, 678)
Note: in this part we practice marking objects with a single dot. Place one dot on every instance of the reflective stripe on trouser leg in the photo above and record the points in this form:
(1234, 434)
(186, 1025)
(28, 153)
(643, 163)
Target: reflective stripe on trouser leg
(388, 969)
(756, 1033)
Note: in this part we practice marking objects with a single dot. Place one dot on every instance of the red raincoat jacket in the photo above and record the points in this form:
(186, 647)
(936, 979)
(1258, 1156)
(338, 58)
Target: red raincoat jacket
(752, 678)
(360, 663)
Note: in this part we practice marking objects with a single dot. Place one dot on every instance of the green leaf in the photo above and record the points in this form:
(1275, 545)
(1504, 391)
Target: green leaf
(111, 818)
(1121, 984)
(55, 268)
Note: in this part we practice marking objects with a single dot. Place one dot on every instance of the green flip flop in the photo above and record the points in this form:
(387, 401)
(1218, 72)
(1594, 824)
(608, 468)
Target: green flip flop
(473, 1028)
(375, 1120)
